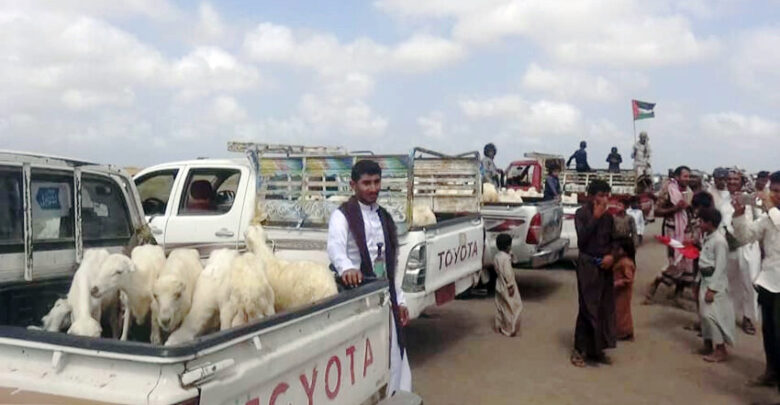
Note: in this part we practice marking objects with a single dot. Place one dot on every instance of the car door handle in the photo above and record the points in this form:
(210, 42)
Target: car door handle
(224, 232)
(156, 230)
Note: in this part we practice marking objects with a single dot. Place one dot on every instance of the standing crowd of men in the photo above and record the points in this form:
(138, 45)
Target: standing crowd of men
(734, 225)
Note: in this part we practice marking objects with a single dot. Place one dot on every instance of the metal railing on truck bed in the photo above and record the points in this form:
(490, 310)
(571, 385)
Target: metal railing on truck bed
(302, 186)
(623, 182)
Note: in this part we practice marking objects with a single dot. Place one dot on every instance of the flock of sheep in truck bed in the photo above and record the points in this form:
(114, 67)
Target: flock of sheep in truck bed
(180, 299)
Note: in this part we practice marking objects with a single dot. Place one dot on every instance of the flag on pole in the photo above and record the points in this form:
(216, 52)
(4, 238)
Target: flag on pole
(642, 109)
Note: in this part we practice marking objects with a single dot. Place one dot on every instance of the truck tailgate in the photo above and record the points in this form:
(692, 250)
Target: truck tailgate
(454, 250)
(339, 354)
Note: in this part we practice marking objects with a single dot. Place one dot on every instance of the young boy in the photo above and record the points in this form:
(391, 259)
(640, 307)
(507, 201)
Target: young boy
(635, 212)
(508, 303)
(624, 271)
(715, 308)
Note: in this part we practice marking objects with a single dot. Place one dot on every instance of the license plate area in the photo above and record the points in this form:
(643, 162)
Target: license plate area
(445, 294)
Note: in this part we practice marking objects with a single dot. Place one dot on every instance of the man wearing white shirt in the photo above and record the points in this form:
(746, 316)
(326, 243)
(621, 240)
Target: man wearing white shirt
(766, 230)
(357, 231)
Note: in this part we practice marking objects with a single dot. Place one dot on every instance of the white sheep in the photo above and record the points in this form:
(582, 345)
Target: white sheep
(204, 313)
(86, 310)
(510, 196)
(294, 283)
(422, 215)
(489, 193)
(58, 318)
(134, 277)
(172, 292)
(231, 291)
(247, 293)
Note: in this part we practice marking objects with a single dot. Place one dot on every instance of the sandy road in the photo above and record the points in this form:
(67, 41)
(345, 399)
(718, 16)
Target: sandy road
(457, 359)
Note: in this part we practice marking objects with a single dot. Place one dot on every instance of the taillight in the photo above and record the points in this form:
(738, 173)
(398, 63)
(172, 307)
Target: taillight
(414, 275)
(507, 225)
(534, 230)
(568, 217)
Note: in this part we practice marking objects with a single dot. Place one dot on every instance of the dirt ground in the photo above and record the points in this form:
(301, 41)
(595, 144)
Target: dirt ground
(457, 359)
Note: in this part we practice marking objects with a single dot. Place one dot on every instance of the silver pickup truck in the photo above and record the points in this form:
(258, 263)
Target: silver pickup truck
(52, 209)
(535, 227)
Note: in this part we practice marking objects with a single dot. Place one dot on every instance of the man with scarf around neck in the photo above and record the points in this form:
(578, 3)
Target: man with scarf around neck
(674, 206)
(357, 232)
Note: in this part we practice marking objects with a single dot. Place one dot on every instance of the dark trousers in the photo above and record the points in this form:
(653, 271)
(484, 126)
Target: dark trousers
(770, 328)
(596, 327)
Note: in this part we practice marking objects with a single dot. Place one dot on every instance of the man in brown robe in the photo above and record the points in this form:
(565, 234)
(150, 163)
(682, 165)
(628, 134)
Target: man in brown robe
(595, 328)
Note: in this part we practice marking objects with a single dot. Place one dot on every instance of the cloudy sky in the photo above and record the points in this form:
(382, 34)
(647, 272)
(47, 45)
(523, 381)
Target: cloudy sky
(140, 82)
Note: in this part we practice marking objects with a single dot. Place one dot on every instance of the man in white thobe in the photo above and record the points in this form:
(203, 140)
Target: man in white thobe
(344, 253)
(641, 155)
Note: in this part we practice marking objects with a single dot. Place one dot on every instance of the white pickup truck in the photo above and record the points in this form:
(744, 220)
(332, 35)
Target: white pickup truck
(51, 209)
(210, 203)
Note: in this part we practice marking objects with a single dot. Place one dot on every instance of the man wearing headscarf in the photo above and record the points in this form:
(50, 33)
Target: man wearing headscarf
(641, 155)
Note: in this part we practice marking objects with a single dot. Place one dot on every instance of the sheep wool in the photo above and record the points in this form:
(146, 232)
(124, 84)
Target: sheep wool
(86, 310)
(248, 294)
(489, 193)
(203, 316)
(295, 283)
(423, 215)
(173, 291)
(58, 318)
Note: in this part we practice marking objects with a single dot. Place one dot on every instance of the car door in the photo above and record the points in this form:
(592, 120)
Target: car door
(157, 193)
(208, 207)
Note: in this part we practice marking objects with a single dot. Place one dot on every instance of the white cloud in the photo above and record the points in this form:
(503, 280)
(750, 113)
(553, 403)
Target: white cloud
(432, 125)
(595, 32)
(210, 24)
(740, 130)
(84, 99)
(209, 69)
(569, 84)
(339, 108)
(532, 118)
(756, 61)
(227, 110)
(326, 54)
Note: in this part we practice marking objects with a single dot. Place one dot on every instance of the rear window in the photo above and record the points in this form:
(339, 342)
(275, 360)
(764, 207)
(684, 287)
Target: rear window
(11, 213)
(52, 206)
(209, 191)
(104, 213)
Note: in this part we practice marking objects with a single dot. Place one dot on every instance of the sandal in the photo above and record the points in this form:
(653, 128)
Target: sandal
(577, 360)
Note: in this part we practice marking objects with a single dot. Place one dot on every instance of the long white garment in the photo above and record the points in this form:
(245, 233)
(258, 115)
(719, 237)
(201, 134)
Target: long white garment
(743, 266)
(400, 372)
(766, 230)
(344, 255)
(717, 317)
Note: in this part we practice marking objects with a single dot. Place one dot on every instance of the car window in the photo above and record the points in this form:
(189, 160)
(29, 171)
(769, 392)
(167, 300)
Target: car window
(11, 207)
(104, 213)
(52, 206)
(155, 190)
(209, 191)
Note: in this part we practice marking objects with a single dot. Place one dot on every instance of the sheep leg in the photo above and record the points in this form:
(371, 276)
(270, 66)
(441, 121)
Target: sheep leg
(155, 337)
(126, 320)
(226, 313)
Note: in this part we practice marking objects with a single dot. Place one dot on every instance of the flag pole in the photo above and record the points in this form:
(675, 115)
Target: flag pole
(633, 120)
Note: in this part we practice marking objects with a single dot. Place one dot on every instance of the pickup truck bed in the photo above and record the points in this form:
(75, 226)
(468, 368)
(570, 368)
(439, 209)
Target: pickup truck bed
(336, 350)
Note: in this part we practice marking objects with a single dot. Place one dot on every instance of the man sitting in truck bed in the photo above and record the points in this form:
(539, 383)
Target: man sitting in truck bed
(357, 231)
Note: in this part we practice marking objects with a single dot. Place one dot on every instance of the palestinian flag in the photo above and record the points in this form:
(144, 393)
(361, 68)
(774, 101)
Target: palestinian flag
(642, 109)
